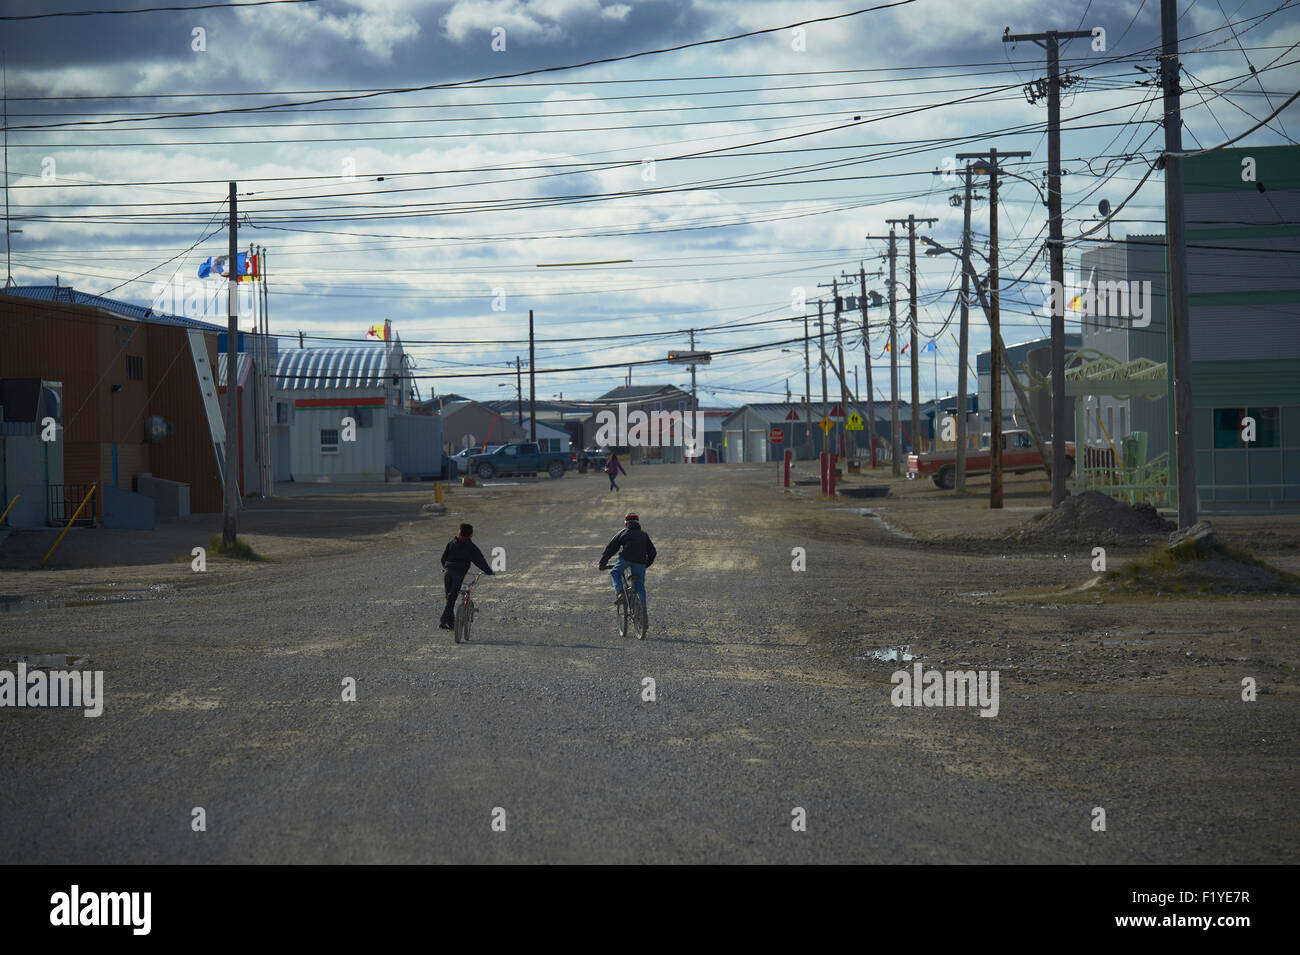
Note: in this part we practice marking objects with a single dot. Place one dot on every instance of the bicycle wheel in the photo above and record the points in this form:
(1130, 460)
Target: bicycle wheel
(462, 625)
(469, 619)
(639, 617)
(621, 608)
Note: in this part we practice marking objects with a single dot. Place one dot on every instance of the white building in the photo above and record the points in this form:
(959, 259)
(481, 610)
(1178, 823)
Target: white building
(343, 414)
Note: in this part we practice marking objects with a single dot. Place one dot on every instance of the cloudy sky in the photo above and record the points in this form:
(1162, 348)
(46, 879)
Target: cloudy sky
(393, 173)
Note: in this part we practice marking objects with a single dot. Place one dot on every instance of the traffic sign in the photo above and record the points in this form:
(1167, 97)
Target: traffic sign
(855, 422)
(826, 424)
(776, 435)
(792, 416)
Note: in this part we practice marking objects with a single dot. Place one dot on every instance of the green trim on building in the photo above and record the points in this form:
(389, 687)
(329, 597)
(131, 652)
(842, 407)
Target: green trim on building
(1242, 232)
(1260, 382)
(1289, 296)
(1277, 167)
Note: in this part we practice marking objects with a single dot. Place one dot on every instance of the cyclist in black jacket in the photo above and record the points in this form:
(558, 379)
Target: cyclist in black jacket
(636, 550)
(457, 556)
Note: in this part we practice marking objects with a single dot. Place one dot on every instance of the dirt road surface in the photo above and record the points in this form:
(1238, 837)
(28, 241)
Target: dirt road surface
(223, 690)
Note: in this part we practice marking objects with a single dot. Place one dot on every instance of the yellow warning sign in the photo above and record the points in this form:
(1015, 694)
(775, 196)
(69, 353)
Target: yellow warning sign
(855, 422)
(825, 424)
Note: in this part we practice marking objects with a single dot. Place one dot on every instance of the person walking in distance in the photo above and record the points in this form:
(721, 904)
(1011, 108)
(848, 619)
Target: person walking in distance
(460, 552)
(635, 549)
(615, 469)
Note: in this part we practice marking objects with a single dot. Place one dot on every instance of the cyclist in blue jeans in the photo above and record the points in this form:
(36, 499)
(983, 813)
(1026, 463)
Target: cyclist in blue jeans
(636, 550)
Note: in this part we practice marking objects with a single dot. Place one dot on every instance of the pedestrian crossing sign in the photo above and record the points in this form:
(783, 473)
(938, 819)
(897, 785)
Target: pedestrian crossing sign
(854, 422)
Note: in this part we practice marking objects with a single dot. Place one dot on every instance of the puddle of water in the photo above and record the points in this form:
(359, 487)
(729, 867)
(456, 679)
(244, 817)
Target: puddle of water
(890, 655)
(978, 593)
(868, 512)
(42, 661)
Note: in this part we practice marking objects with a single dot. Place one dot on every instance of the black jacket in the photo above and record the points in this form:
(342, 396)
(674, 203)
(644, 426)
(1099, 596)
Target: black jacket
(460, 552)
(633, 545)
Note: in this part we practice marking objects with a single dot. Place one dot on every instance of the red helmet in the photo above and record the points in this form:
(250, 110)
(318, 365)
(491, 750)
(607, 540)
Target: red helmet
(631, 517)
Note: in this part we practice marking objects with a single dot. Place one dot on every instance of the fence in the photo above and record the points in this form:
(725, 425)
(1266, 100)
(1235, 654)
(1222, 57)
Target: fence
(63, 501)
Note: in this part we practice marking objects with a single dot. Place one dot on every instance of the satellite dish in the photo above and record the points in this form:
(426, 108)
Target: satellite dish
(1104, 207)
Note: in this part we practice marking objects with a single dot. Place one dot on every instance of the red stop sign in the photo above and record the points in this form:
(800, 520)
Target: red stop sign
(776, 435)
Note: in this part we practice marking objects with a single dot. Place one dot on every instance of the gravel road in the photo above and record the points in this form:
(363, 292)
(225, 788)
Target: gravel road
(223, 691)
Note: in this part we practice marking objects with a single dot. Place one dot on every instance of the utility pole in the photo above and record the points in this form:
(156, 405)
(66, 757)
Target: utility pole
(839, 344)
(844, 398)
(519, 392)
(988, 163)
(866, 352)
(532, 382)
(232, 390)
(9, 268)
(807, 388)
(964, 338)
(821, 332)
(1179, 316)
(911, 222)
(895, 439)
(695, 403)
(1055, 240)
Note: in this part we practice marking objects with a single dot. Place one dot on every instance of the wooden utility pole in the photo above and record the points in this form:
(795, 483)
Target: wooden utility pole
(1176, 231)
(844, 392)
(895, 439)
(1051, 40)
(532, 382)
(962, 346)
(964, 340)
(519, 391)
(866, 353)
(807, 388)
(821, 333)
(231, 443)
(988, 163)
(911, 222)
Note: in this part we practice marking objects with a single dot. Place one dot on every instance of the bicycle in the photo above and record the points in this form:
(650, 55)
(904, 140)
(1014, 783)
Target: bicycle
(465, 610)
(628, 606)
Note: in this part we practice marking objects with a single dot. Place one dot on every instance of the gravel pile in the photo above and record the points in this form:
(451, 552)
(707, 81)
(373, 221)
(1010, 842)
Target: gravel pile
(1095, 518)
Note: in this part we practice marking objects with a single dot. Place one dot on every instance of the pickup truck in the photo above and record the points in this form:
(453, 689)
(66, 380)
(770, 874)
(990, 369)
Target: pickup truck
(524, 458)
(1019, 456)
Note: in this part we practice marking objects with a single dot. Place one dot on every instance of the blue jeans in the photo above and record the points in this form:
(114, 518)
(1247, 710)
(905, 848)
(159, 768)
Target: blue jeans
(638, 579)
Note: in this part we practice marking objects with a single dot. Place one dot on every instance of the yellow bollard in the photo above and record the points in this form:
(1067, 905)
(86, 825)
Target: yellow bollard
(75, 515)
(9, 508)
(437, 494)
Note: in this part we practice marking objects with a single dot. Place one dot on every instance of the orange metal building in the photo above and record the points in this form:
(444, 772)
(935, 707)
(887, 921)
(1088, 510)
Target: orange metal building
(117, 368)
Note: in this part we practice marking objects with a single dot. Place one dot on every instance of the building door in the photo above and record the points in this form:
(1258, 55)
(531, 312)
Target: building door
(735, 446)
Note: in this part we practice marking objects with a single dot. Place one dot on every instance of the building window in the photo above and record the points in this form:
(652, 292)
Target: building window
(329, 440)
(134, 368)
(1229, 423)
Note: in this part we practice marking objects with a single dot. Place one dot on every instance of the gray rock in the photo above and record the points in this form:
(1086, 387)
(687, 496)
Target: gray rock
(1200, 531)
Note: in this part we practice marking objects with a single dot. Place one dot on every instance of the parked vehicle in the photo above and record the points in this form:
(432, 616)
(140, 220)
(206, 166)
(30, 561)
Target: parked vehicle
(524, 458)
(1019, 456)
(595, 459)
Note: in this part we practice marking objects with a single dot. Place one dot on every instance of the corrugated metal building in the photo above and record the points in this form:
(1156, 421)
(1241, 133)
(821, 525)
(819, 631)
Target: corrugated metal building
(1243, 257)
(1243, 262)
(119, 364)
(343, 414)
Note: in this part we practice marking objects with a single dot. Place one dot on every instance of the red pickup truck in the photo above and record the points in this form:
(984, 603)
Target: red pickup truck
(1019, 456)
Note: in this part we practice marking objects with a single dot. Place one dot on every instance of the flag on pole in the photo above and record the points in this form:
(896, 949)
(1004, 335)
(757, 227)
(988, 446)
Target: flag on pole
(246, 267)
(378, 332)
(930, 346)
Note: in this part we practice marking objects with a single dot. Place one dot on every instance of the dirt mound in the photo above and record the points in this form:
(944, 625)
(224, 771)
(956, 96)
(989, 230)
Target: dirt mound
(1201, 567)
(1094, 518)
